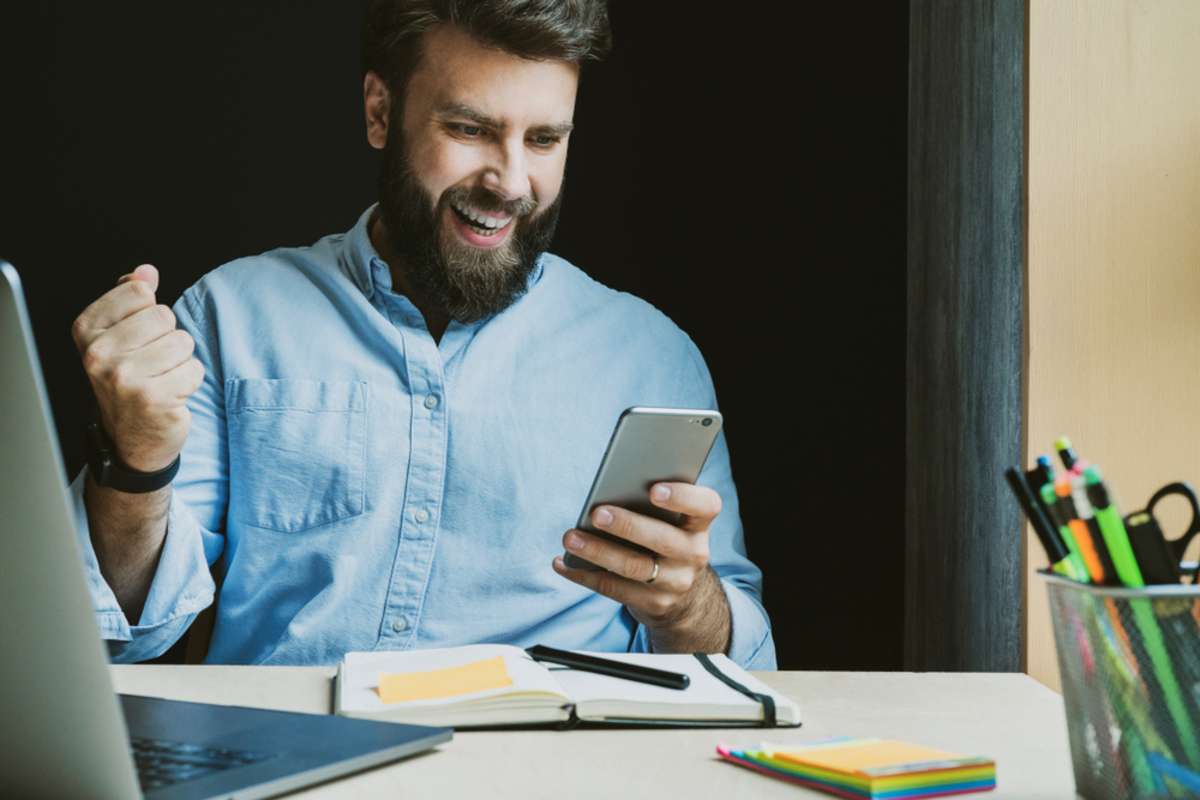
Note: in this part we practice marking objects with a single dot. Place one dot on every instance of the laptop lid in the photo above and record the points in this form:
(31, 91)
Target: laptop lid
(60, 721)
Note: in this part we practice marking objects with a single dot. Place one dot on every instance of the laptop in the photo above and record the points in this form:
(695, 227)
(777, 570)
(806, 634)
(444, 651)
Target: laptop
(65, 732)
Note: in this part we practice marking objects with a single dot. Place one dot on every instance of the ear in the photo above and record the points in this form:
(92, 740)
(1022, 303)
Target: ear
(377, 103)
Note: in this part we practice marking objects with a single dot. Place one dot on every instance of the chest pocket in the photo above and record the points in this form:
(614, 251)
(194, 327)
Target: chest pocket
(297, 451)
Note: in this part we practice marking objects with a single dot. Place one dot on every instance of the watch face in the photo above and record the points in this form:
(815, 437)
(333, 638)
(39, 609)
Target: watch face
(108, 471)
(99, 464)
(99, 457)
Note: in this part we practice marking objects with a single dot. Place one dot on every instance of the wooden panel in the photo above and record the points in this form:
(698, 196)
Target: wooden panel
(1114, 249)
(965, 326)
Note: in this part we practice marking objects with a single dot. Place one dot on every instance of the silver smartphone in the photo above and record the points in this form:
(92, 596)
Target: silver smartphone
(648, 445)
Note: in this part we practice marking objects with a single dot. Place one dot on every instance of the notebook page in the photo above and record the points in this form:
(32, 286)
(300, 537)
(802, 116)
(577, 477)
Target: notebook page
(362, 672)
(705, 697)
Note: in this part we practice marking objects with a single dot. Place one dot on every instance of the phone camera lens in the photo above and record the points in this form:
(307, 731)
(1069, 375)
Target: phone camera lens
(707, 421)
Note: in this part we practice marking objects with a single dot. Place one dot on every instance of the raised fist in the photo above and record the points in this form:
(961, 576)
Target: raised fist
(141, 369)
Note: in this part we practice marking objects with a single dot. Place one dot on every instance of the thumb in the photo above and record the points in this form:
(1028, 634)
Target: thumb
(145, 272)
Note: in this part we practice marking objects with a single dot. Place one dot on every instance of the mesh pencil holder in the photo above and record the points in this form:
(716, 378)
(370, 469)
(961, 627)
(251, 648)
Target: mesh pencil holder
(1129, 660)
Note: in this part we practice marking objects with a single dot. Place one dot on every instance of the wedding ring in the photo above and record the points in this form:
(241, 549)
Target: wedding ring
(654, 574)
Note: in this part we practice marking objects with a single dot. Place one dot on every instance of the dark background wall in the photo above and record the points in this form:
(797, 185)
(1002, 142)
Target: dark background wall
(744, 174)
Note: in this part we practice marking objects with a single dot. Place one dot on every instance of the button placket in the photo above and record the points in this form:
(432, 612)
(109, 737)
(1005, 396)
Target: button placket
(426, 468)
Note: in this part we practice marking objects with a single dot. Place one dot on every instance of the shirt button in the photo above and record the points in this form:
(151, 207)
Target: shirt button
(431, 401)
(400, 625)
(422, 515)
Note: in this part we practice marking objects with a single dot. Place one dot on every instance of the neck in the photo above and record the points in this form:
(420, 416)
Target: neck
(435, 318)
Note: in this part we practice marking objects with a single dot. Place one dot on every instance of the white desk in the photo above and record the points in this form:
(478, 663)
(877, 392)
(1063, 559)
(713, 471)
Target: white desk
(1010, 718)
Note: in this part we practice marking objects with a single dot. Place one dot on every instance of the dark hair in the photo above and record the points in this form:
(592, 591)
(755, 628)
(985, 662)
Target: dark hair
(563, 30)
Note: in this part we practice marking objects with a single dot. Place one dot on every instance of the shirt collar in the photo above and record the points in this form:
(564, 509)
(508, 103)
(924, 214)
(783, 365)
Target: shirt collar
(370, 272)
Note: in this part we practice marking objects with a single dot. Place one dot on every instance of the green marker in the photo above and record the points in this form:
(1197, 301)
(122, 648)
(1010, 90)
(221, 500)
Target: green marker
(1112, 529)
(1074, 566)
(1117, 541)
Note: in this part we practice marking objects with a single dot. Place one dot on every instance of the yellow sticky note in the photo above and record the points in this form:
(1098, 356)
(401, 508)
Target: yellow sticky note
(478, 676)
(859, 755)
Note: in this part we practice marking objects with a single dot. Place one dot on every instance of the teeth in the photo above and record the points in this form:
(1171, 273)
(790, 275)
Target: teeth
(480, 219)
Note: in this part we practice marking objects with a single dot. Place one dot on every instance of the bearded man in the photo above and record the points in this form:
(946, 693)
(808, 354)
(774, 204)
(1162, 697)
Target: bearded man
(376, 441)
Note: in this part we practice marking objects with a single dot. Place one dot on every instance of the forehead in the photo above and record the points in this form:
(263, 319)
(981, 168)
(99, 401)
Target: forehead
(456, 68)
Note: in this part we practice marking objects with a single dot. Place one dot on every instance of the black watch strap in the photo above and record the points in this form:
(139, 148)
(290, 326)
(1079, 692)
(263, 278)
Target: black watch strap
(108, 470)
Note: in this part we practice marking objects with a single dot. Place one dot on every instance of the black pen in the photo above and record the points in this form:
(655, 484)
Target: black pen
(604, 666)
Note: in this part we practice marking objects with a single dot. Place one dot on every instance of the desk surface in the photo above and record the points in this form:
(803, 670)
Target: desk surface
(1008, 717)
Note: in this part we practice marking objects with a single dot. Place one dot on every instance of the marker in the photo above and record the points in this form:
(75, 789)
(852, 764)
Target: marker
(610, 667)
(1065, 452)
(1112, 529)
(1126, 564)
(1173, 695)
(1077, 568)
(1087, 548)
(1056, 551)
(1154, 558)
(1083, 507)
(1038, 477)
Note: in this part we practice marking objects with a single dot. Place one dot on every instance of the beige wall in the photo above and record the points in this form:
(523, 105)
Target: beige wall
(1114, 250)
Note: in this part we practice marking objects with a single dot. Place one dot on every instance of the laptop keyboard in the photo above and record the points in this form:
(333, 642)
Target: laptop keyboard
(161, 763)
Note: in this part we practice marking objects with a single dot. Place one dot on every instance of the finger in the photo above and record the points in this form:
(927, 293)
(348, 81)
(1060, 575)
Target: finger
(181, 382)
(164, 354)
(615, 557)
(653, 534)
(143, 272)
(700, 505)
(623, 590)
(112, 307)
(138, 330)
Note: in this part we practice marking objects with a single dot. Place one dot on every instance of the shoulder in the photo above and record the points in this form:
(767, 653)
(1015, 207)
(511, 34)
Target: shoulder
(274, 275)
(627, 323)
(588, 301)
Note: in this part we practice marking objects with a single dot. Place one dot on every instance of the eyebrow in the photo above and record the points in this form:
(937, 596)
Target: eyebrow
(475, 115)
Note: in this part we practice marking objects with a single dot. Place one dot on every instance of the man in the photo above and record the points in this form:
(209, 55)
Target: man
(381, 437)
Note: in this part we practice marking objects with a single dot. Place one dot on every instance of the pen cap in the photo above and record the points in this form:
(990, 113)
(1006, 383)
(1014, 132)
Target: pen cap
(1065, 452)
(1097, 491)
(1079, 495)
(1050, 501)
(1040, 475)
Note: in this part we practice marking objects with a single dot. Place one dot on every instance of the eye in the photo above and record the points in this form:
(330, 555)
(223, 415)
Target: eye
(464, 130)
(545, 141)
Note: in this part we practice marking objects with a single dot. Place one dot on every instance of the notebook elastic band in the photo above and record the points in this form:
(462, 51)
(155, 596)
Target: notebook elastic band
(767, 702)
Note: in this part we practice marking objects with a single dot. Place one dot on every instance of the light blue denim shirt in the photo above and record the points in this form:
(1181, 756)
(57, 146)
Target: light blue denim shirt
(369, 488)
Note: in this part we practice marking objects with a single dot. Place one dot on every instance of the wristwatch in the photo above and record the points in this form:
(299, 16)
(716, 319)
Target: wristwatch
(108, 470)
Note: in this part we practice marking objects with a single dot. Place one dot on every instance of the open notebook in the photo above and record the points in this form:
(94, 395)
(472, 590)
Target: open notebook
(495, 684)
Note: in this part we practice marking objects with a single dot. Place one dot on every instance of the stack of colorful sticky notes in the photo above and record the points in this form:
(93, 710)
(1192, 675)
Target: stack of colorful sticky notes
(870, 768)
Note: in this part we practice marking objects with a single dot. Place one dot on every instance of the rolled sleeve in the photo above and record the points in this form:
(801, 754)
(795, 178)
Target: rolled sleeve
(750, 642)
(182, 585)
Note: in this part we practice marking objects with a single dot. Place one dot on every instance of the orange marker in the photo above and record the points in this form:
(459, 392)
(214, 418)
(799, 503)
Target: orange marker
(1079, 530)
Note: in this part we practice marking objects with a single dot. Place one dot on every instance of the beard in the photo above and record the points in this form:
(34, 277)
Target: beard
(467, 283)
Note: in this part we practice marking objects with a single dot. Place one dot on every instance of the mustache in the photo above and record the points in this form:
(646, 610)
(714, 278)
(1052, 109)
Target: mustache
(484, 200)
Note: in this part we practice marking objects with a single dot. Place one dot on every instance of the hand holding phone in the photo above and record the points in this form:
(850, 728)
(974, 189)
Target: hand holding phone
(684, 609)
(648, 446)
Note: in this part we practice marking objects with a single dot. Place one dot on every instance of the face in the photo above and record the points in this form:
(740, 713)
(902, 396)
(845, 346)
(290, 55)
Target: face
(472, 172)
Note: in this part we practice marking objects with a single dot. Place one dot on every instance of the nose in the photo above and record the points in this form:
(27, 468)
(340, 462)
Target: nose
(507, 176)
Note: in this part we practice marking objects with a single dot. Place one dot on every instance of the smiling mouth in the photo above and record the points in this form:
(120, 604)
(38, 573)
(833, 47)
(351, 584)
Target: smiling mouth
(481, 224)
(480, 231)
